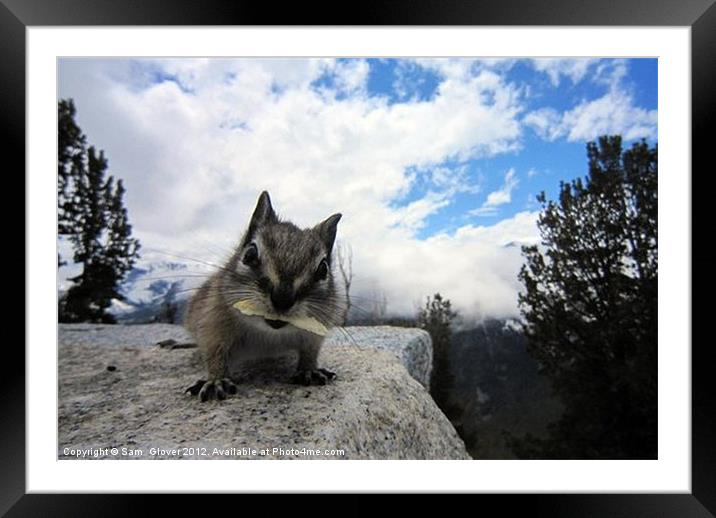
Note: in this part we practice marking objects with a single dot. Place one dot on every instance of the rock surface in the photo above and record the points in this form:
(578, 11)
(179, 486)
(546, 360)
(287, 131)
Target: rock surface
(130, 396)
(411, 346)
(120, 335)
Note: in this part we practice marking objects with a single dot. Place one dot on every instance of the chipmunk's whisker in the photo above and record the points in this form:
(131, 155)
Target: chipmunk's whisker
(176, 276)
(216, 266)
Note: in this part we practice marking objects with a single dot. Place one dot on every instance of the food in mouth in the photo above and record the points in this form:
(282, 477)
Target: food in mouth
(278, 321)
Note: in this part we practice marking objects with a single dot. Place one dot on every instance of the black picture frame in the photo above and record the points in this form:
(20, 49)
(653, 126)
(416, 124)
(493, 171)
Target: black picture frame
(700, 15)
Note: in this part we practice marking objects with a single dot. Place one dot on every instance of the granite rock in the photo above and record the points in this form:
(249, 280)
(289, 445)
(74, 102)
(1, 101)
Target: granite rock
(117, 390)
(411, 346)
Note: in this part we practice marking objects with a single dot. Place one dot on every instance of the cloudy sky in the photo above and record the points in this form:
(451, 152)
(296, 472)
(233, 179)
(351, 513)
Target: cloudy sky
(434, 163)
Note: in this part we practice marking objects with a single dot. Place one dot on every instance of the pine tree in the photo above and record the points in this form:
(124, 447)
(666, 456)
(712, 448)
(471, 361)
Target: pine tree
(121, 249)
(91, 209)
(101, 237)
(436, 318)
(72, 148)
(169, 311)
(590, 306)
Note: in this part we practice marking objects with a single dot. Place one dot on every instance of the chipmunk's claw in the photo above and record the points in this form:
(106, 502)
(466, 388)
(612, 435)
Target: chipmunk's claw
(212, 389)
(195, 388)
(313, 377)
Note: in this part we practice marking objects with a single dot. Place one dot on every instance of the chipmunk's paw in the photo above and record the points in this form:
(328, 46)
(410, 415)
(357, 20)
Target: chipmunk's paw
(313, 377)
(213, 389)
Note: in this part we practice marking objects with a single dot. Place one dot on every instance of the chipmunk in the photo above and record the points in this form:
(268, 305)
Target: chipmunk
(284, 273)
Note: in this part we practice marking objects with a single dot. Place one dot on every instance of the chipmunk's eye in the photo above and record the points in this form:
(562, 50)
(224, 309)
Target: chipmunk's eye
(322, 270)
(251, 256)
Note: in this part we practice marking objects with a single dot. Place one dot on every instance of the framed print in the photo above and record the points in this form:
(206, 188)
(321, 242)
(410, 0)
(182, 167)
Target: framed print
(410, 159)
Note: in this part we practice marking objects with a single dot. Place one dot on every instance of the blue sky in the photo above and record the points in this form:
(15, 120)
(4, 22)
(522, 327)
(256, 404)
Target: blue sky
(432, 162)
(539, 164)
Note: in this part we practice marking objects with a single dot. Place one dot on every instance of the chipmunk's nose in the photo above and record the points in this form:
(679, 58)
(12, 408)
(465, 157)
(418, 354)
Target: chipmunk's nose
(282, 297)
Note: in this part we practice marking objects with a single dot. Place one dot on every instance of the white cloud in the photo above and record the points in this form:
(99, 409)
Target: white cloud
(413, 215)
(352, 76)
(449, 68)
(555, 68)
(611, 72)
(613, 113)
(196, 140)
(448, 181)
(477, 267)
(503, 194)
(546, 122)
(460, 68)
(485, 210)
(499, 197)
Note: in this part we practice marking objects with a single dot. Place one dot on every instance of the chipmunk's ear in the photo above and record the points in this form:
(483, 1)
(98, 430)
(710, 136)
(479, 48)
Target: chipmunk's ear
(263, 213)
(327, 230)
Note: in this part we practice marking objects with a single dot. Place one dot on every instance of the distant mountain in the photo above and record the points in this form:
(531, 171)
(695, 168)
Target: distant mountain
(154, 289)
(497, 386)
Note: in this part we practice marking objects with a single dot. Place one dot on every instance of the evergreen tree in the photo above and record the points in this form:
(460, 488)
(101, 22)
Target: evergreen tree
(590, 306)
(436, 317)
(100, 234)
(121, 249)
(72, 148)
(168, 313)
(91, 209)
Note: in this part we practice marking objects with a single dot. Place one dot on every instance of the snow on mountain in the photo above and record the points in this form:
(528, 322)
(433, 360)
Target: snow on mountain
(159, 278)
(144, 284)
(154, 284)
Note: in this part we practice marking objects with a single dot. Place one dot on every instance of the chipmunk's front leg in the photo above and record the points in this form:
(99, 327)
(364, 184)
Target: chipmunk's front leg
(219, 383)
(308, 372)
